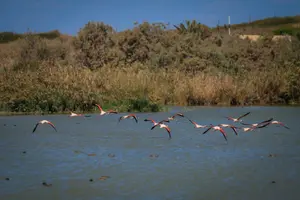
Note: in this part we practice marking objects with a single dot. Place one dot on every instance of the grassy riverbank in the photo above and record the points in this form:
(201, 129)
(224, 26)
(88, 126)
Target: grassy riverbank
(146, 68)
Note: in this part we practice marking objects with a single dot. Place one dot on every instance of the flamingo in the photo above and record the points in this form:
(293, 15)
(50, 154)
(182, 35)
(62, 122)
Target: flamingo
(177, 114)
(277, 122)
(162, 125)
(43, 122)
(217, 128)
(197, 125)
(102, 112)
(257, 124)
(229, 126)
(133, 116)
(239, 118)
(154, 122)
(74, 115)
(247, 129)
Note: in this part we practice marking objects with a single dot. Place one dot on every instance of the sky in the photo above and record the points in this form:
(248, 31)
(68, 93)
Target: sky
(68, 16)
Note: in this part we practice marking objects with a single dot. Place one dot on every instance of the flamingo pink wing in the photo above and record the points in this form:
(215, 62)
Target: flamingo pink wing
(52, 126)
(282, 124)
(169, 132)
(224, 134)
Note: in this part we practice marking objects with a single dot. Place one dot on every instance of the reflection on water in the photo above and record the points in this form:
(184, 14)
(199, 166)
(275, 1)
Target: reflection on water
(99, 158)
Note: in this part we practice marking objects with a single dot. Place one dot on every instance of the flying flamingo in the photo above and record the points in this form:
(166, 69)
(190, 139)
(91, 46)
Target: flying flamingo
(247, 129)
(229, 126)
(177, 114)
(74, 115)
(132, 116)
(102, 112)
(43, 122)
(239, 118)
(162, 125)
(197, 125)
(217, 128)
(277, 122)
(154, 122)
(257, 124)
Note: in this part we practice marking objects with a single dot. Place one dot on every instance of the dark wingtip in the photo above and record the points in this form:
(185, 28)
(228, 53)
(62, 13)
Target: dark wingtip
(286, 127)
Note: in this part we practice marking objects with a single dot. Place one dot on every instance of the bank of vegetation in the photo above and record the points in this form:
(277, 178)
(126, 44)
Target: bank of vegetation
(148, 67)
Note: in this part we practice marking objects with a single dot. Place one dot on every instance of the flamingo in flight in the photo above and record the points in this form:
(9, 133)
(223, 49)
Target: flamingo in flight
(102, 112)
(247, 129)
(239, 118)
(177, 114)
(197, 125)
(75, 115)
(132, 116)
(257, 124)
(229, 126)
(44, 122)
(162, 125)
(217, 128)
(154, 122)
(277, 122)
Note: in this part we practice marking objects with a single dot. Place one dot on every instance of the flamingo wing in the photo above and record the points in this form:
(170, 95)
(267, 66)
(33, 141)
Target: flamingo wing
(34, 129)
(179, 114)
(264, 125)
(280, 123)
(266, 121)
(154, 126)
(207, 130)
(244, 115)
(169, 131)
(52, 126)
(234, 129)
(152, 121)
(162, 121)
(136, 120)
(223, 133)
(193, 122)
(229, 118)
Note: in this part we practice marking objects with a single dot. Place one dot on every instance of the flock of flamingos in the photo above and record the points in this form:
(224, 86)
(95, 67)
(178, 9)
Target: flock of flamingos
(162, 124)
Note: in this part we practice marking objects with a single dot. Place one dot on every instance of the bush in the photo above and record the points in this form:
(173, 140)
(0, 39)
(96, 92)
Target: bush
(6, 37)
(93, 45)
(289, 31)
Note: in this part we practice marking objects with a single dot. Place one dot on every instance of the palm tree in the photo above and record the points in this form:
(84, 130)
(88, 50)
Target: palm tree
(193, 27)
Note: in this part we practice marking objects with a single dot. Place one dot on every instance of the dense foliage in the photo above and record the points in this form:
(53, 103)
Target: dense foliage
(146, 67)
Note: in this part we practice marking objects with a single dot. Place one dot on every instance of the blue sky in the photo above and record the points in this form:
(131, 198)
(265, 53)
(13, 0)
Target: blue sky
(68, 16)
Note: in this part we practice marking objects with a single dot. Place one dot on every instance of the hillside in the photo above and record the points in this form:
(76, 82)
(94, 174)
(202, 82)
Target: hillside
(289, 25)
(148, 67)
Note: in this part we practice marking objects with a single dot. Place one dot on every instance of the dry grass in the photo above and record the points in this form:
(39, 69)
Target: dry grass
(59, 88)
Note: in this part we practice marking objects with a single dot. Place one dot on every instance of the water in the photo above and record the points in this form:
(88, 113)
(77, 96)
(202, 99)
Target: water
(189, 166)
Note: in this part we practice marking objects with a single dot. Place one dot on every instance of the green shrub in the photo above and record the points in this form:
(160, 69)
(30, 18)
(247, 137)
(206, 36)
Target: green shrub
(93, 44)
(6, 37)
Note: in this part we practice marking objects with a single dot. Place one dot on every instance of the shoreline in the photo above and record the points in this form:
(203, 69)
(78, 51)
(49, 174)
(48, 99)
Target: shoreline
(165, 109)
